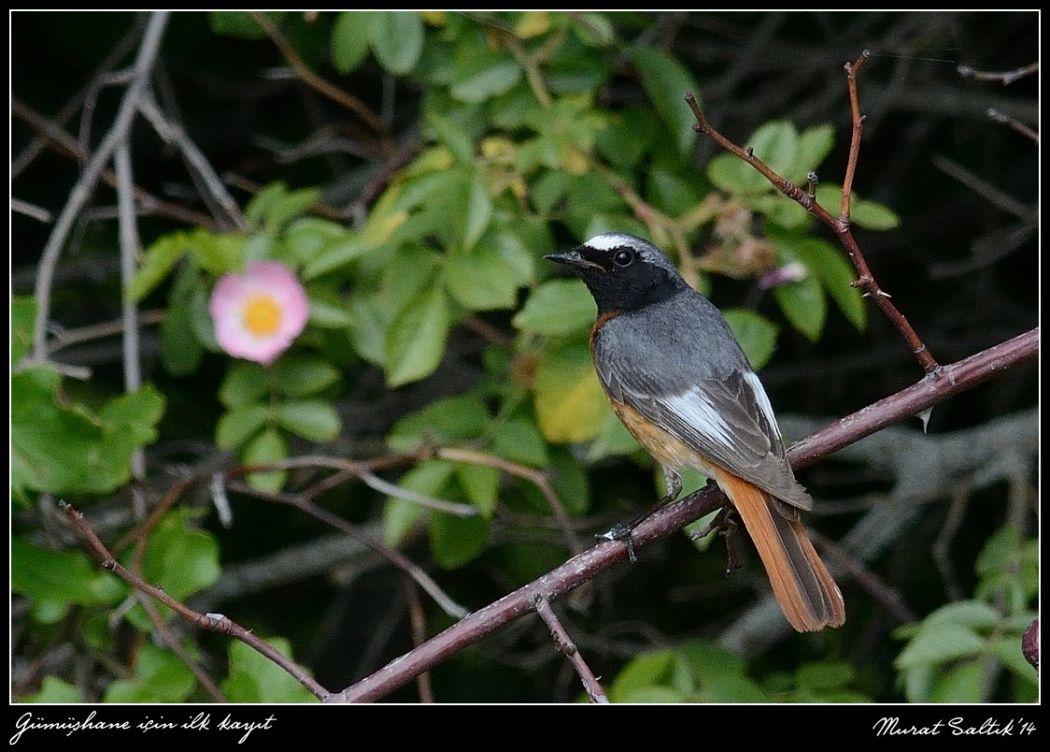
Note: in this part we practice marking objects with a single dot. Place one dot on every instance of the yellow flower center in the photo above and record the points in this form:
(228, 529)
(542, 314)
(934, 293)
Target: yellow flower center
(262, 315)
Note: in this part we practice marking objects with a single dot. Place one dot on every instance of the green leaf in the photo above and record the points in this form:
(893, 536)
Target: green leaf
(56, 580)
(643, 672)
(397, 40)
(254, 678)
(974, 614)
(314, 420)
(54, 691)
(479, 211)
(558, 307)
(240, 424)
(445, 421)
(666, 82)
(732, 689)
(290, 206)
(835, 273)
(594, 29)
(614, 439)
(23, 318)
(651, 695)
(735, 176)
(160, 259)
(757, 335)
(707, 660)
(938, 644)
(960, 684)
(481, 280)
(180, 557)
(244, 383)
(481, 485)
(824, 675)
(70, 449)
(1007, 649)
(216, 254)
(814, 145)
(267, 447)
(329, 315)
(239, 24)
(452, 136)
(350, 36)
(802, 302)
(479, 73)
(160, 677)
(870, 215)
(518, 440)
(456, 541)
(569, 401)
(180, 350)
(416, 341)
(303, 375)
(399, 516)
(777, 144)
(569, 482)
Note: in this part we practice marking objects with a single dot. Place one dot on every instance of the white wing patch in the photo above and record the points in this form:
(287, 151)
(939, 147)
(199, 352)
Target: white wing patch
(762, 401)
(699, 414)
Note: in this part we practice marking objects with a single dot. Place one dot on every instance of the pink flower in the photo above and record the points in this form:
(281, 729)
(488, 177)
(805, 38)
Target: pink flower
(259, 312)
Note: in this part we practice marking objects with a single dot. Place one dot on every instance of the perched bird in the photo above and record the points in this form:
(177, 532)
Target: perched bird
(677, 378)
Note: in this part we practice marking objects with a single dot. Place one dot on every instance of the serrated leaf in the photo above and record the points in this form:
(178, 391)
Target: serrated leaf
(416, 340)
(399, 516)
(266, 448)
(160, 677)
(23, 319)
(314, 420)
(55, 580)
(803, 304)
(303, 375)
(558, 307)
(254, 678)
(666, 82)
(350, 36)
(452, 136)
(456, 541)
(518, 440)
(244, 383)
(397, 40)
(776, 143)
(757, 335)
(832, 269)
(180, 557)
(240, 424)
(481, 280)
(938, 644)
(445, 421)
(481, 485)
(569, 401)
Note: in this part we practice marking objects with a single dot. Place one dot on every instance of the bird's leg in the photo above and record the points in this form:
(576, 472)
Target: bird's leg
(726, 525)
(622, 531)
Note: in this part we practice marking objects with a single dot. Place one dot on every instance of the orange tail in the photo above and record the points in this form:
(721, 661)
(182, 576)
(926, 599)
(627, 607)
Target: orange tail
(807, 595)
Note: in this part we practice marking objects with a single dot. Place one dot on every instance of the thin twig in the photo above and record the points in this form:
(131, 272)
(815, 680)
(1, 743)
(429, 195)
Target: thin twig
(535, 477)
(865, 279)
(1001, 117)
(211, 622)
(564, 644)
(942, 543)
(81, 192)
(858, 129)
(65, 144)
(26, 209)
(1005, 77)
(872, 583)
(932, 389)
(129, 247)
(984, 189)
(214, 191)
(363, 472)
(314, 81)
(68, 337)
(418, 619)
(394, 556)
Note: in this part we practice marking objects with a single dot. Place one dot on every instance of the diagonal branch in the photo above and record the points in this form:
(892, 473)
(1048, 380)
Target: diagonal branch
(930, 390)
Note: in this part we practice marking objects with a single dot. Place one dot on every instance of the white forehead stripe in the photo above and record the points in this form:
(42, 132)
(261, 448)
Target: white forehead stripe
(609, 240)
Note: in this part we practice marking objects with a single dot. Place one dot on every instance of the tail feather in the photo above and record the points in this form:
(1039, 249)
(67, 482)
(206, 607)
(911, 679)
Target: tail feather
(804, 589)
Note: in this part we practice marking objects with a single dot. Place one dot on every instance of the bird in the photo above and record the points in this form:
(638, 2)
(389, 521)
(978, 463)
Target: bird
(677, 378)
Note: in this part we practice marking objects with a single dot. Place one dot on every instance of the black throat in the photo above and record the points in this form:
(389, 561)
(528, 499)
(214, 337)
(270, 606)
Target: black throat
(631, 289)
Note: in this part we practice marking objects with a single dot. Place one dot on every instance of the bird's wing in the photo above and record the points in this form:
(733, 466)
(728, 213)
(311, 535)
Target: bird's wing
(728, 421)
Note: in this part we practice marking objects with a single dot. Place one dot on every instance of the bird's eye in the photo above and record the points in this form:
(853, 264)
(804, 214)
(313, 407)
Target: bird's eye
(623, 258)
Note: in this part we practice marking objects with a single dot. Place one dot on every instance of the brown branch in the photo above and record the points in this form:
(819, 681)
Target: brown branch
(211, 622)
(565, 645)
(314, 81)
(1005, 77)
(865, 280)
(932, 389)
(63, 143)
(1001, 117)
(858, 129)
(394, 556)
(418, 619)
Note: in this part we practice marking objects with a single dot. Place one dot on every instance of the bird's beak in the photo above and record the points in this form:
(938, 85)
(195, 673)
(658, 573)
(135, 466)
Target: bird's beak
(574, 259)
